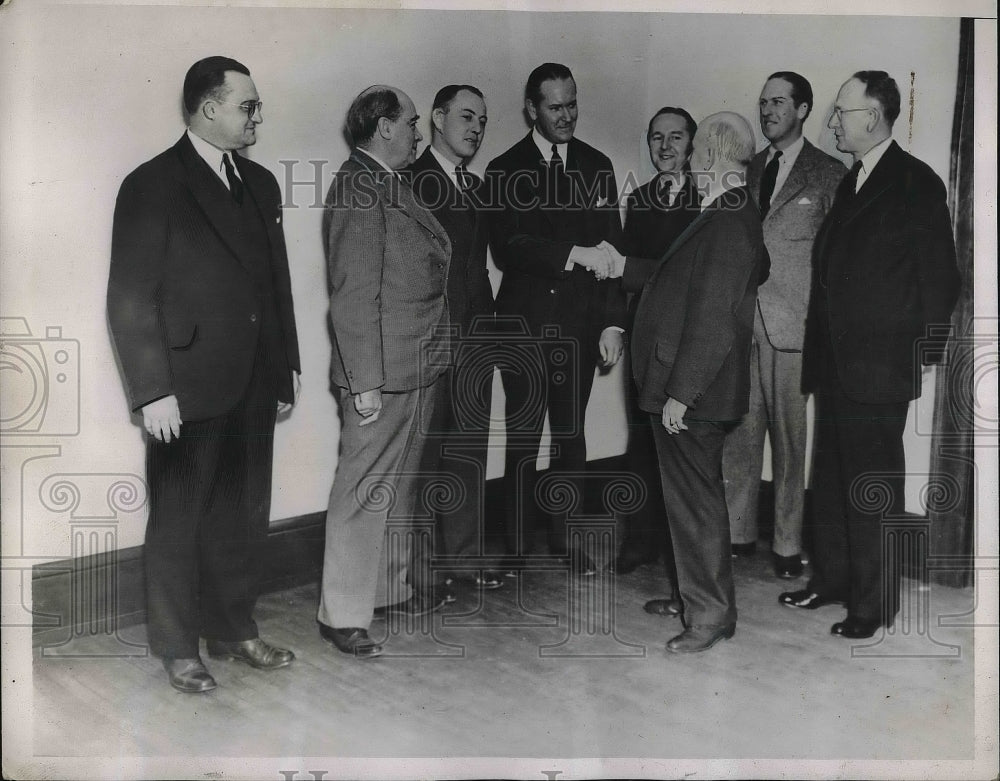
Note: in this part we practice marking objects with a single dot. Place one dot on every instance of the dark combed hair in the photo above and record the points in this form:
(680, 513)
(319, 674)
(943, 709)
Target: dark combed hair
(368, 108)
(802, 91)
(446, 95)
(883, 88)
(205, 79)
(547, 71)
(692, 126)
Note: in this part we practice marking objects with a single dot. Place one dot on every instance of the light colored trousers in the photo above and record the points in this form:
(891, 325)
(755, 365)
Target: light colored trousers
(778, 408)
(379, 476)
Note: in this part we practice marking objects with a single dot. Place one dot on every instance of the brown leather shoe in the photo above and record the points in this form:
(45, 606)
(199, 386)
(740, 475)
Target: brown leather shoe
(255, 652)
(663, 607)
(351, 640)
(189, 675)
(700, 638)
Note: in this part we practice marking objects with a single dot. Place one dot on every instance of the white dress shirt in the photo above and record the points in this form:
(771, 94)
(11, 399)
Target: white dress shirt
(447, 166)
(213, 156)
(870, 160)
(545, 147)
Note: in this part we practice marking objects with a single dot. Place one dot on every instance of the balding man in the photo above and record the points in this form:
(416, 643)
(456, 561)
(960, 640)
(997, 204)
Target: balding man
(691, 360)
(388, 261)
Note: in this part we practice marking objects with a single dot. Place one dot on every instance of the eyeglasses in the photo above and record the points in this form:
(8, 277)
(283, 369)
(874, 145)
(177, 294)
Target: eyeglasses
(839, 112)
(249, 106)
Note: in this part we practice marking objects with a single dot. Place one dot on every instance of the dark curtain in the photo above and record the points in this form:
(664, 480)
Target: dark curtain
(951, 501)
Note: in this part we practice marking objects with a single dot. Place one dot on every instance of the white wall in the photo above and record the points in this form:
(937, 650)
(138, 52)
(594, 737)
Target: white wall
(91, 92)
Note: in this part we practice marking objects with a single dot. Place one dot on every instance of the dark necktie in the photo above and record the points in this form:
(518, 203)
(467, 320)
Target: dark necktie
(466, 181)
(235, 183)
(852, 178)
(767, 184)
(663, 191)
(556, 162)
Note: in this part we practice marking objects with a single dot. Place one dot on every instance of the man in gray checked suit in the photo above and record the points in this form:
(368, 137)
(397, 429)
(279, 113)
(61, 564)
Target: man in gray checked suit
(794, 184)
(388, 260)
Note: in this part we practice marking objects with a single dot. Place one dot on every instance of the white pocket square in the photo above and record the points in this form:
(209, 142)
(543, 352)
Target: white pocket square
(602, 202)
(278, 219)
(804, 201)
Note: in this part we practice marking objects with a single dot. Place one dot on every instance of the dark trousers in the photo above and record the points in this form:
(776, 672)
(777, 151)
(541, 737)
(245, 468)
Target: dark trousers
(209, 498)
(644, 531)
(858, 477)
(695, 500)
(538, 377)
(455, 465)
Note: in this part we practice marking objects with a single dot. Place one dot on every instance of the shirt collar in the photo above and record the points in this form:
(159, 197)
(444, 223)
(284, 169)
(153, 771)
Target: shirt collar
(378, 160)
(870, 158)
(210, 154)
(790, 154)
(545, 146)
(446, 165)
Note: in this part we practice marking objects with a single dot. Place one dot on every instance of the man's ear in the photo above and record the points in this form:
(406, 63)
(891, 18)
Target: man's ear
(873, 122)
(802, 110)
(384, 128)
(208, 110)
(532, 110)
(437, 119)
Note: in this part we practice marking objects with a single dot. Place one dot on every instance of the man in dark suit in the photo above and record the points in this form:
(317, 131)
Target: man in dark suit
(459, 430)
(656, 214)
(558, 202)
(200, 308)
(691, 360)
(794, 184)
(885, 272)
(388, 269)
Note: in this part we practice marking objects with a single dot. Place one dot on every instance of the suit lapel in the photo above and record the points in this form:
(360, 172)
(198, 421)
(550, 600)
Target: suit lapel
(797, 179)
(211, 196)
(398, 195)
(882, 179)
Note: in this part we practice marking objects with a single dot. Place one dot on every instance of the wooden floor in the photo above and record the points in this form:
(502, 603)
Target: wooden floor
(544, 667)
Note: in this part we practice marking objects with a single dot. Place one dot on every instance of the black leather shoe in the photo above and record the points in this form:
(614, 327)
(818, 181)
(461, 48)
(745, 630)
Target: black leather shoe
(854, 629)
(256, 653)
(189, 675)
(787, 567)
(742, 550)
(700, 638)
(417, 605)
(805, 599)
(663, 607)
(351, 640)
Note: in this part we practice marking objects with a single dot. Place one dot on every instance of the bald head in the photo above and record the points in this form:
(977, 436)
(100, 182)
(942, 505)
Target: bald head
(383, 121)
(729, 139)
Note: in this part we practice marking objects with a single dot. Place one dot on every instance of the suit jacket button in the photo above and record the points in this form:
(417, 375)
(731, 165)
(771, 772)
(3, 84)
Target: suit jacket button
(552, 291)
(253, 318)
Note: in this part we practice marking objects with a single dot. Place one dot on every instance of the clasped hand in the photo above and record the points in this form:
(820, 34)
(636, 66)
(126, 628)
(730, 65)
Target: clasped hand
(603, 260)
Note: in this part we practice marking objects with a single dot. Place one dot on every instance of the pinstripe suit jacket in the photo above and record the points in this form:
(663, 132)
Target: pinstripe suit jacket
(388, 260)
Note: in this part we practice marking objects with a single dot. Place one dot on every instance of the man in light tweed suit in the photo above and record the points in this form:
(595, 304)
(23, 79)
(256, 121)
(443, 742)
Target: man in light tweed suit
(388, 261)
(794, 184)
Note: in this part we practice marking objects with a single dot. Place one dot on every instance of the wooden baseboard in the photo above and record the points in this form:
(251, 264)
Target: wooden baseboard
(101, 593)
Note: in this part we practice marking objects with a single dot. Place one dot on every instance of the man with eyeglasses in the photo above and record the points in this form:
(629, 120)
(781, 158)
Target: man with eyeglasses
(884, 274)
(200, 309)
(793, 183)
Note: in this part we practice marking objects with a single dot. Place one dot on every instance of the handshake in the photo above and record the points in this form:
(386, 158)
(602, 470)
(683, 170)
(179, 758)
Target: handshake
(604, 260)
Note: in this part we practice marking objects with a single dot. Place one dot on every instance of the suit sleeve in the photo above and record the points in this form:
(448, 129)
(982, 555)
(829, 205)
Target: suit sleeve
(138, 255)
(283, 285)
(615, 306)
(933, 250)
(726, 260)
(355, 245)
(516, 234)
